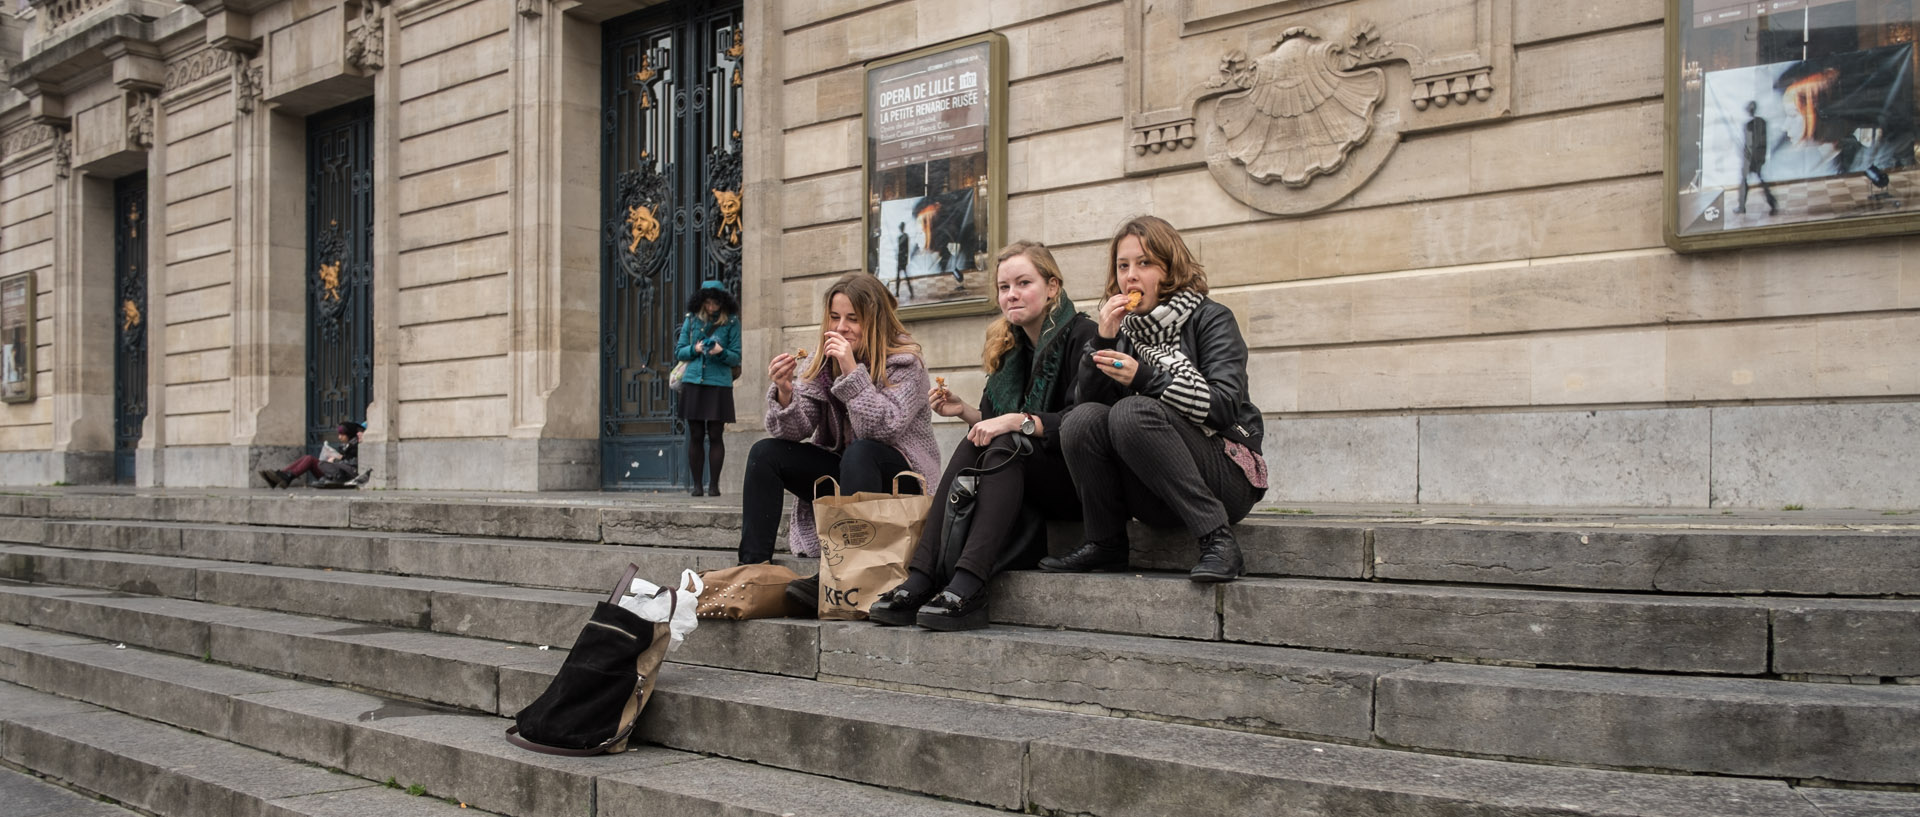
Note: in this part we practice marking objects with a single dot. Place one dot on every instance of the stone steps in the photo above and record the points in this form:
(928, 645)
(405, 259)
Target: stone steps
(1700, 724)
(164, 770)
(133, 738)
(1760, 635)
(29, 796)
(1586, 554)
(820, 736)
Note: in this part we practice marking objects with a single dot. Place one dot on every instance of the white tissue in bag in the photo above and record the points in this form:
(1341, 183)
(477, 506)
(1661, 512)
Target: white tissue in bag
(646, 604)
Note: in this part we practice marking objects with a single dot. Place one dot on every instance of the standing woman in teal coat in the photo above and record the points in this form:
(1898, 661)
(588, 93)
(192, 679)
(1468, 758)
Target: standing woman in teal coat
(710, 344)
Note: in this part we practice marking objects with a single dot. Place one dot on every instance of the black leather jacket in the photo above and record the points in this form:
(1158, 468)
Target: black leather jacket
(1211, 339)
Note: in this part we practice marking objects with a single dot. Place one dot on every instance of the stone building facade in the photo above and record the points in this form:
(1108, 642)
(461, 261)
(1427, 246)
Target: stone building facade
(1470, 301)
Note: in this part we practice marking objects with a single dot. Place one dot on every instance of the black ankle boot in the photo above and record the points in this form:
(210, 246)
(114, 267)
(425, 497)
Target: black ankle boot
(1219, 557)
(1091, 557)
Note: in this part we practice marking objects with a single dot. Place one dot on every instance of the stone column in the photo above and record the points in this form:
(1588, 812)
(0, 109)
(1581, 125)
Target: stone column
(83, 315)
(554, 439)
(379, 447)
(269, 311)
(149, 464)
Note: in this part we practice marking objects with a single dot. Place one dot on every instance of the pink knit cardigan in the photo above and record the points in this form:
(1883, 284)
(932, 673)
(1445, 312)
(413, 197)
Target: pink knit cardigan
(837, 411)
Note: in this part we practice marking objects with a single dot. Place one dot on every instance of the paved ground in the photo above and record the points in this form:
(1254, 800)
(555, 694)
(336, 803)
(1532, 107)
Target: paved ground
(23, 795)
(1693, 518)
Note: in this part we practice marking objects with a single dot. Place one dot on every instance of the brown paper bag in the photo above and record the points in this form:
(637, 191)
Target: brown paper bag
(745, 591)
(866, 542)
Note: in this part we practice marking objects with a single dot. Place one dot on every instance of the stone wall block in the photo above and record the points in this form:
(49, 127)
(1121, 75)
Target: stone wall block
(1846, 455)
(1645, 458)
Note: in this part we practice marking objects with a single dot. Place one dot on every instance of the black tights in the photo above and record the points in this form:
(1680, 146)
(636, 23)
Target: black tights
(713, 452)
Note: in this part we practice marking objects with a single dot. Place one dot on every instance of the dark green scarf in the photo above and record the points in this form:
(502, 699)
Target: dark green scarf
(1019, 385)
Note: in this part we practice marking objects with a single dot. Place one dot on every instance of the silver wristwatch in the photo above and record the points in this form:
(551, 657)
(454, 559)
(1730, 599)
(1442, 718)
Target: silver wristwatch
(1027, 426)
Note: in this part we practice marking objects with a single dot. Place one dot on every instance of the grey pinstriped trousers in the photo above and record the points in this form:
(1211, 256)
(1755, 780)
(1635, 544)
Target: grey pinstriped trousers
(1137, 459)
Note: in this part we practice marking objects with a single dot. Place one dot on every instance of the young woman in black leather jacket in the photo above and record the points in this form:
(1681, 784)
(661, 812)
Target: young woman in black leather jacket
(1162, 429)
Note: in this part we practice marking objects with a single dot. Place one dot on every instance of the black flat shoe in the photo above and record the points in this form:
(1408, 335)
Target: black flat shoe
(1219, 558)
(1092, 557)
(803, 597)
(713, 490)
(949, 613)
(697, 491)
(897, 607)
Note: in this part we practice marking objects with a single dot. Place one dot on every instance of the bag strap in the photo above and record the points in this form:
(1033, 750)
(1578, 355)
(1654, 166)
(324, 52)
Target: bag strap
(626, 583)
(916, 476)
(1022, 446)
(816, 486)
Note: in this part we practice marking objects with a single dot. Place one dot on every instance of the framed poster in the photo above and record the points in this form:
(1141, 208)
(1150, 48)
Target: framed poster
(16, 338)
(1790, 120)
(935, 172)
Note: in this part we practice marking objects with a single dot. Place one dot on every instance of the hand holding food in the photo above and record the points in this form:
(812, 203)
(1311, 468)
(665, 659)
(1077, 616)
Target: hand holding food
(800, 354)
(1110, 316)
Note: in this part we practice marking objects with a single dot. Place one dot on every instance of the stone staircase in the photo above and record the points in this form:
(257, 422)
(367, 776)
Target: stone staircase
(320, 654)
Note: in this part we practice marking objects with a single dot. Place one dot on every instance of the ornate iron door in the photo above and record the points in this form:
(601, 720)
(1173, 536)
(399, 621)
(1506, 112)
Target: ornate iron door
(670, 182)
(339, 268)
(130, 346)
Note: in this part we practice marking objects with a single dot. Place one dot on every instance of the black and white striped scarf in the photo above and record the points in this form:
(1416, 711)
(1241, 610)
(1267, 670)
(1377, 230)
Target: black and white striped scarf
(1156, 337)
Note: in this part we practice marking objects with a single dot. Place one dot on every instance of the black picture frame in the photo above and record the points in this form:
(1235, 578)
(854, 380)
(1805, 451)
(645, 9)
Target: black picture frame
(1790, 121)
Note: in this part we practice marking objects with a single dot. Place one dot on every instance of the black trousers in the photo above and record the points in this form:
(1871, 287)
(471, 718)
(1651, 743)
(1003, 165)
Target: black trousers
(1040, 479)
(776, 468)
(1137, 459)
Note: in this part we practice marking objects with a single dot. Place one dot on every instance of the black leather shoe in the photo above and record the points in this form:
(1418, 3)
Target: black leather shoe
(803, 597)
(275, 478)
(949, 613)
(697, 491)
(1219, 558)
(897, 607)
(713, 490)
(1092, 557)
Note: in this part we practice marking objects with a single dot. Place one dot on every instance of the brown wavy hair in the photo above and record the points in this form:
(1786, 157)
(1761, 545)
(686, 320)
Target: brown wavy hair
(879, 312)
(1000, 339)
(1164, 247)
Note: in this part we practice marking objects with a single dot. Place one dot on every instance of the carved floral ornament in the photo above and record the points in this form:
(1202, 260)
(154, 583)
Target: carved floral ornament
(1300, 119)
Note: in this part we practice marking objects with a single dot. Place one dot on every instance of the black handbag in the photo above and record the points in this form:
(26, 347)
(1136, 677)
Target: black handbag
(592, 705)
(1026, 543)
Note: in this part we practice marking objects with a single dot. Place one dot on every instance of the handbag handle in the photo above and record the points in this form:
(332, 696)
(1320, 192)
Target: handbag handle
(626, 583)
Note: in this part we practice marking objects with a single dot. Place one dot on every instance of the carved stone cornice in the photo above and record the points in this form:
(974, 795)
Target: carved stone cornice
(25, 139)
(202, 64)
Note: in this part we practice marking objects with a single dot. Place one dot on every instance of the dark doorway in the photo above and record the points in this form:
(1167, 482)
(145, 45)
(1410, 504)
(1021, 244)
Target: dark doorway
(130, 316)
(339, 268)
(670, 183)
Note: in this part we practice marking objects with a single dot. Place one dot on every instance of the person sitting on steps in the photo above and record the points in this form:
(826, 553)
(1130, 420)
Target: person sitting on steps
(1163, 431)
(859, 414)
(334, 472)
(1032, 356)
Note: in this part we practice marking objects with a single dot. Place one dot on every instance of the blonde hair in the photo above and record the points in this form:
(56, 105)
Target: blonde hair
(883, 335)
(1000, 334)
(1164, 247)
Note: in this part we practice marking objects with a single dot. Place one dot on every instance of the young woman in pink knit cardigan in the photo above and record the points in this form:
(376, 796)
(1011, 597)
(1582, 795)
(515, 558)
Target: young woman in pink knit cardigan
(844, 417)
